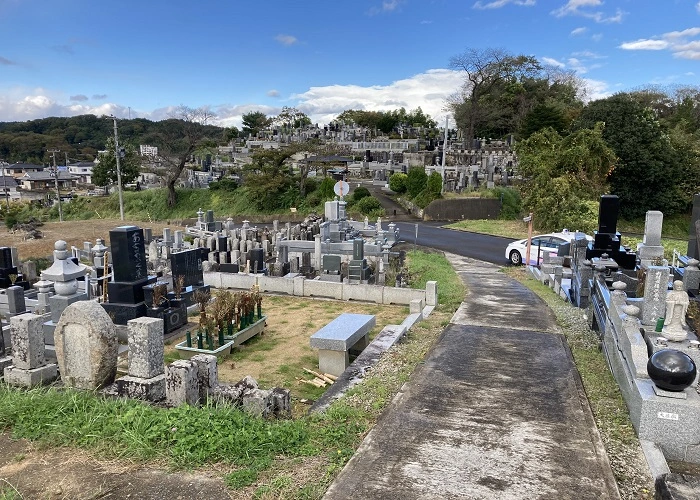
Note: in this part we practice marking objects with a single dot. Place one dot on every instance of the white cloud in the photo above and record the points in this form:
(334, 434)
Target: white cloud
(595, 89)
(273, 93)
(497, 4)
(645, 45)
(553, 62)
(386, 6)
(428, 91)
(583, 8)
(578, 31)
(697, 7)
(679, 43)
(286, 39)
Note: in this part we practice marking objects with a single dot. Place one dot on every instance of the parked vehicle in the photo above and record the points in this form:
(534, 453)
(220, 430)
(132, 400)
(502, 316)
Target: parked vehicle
(546, 243)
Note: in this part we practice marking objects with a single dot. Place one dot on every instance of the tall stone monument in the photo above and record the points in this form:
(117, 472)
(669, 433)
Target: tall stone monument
(125, 291)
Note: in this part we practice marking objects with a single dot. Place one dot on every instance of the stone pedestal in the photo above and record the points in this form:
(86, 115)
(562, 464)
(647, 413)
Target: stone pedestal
(29, 367)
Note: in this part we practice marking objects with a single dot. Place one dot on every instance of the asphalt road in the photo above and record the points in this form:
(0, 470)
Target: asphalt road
(474, 245)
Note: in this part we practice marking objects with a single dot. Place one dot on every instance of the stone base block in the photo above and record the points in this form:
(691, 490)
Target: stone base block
(30, 378)
(149, 389)
(333, 362)
(5, 361)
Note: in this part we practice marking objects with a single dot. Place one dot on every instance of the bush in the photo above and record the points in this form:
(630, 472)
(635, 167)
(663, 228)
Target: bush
(434, 184)
(224, 184)
(511, 203)
(325, 189)
(424, 198)
(416, 181)
(397, 183)
(360, 192)
(369, 206)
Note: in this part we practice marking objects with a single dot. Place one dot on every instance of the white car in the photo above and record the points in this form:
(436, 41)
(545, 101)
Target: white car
(547, 243)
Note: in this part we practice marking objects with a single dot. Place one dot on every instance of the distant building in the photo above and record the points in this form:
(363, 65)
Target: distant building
(8, 188)
(18, 170)
(44, 181)
(82, 171)
(148, 150)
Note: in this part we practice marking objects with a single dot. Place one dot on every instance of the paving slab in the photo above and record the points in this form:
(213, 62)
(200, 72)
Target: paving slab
(496, 411)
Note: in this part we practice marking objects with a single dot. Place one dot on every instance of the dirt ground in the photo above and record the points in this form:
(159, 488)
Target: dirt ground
(72, 232)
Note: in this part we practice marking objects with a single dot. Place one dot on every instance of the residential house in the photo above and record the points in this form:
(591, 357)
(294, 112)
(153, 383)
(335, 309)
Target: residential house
(43, 181)
(18, 170)
(82, 170)
(8, 188)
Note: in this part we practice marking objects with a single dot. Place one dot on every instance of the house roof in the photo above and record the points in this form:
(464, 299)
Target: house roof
(82, 164)
(7, 181)
(45, 175)
(24, 166)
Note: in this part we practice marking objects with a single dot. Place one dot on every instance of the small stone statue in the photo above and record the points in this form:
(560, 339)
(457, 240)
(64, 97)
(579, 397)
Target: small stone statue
(675, 327)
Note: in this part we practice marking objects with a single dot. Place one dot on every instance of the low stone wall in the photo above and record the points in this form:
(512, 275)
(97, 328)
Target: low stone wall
(463, 208)
(302, 287)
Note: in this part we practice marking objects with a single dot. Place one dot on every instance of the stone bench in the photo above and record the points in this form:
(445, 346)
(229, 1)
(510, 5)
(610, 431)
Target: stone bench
(335, 340)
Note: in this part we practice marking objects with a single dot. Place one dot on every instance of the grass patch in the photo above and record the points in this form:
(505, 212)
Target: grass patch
(295, 458)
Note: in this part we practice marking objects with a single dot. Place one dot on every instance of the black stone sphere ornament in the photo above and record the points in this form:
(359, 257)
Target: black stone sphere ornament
(671, 369)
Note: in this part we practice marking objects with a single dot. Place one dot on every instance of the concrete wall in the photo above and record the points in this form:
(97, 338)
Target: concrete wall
(463, 208)
(302, 287)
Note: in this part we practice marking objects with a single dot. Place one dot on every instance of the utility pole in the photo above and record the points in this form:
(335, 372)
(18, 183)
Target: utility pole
(444, 152)
(119, 172)
(55, 173)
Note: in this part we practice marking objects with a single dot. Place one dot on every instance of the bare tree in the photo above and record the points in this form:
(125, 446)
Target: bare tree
(484, 70)
(182, 135)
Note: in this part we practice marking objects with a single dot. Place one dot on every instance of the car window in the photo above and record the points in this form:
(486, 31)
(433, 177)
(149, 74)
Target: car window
(558, 241)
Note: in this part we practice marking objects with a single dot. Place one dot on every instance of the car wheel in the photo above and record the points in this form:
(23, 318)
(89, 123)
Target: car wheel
(515, 258)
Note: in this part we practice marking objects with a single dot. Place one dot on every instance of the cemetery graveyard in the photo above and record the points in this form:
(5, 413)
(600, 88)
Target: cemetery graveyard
(132, 315)
(645, 311)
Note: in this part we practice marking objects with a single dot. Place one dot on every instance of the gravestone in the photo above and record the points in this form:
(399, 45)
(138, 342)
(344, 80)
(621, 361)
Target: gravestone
(29, 367)
(692, 232)
(146, 378)
(182, 383)
(86, 346)
(188, 263)
(125, 292)
(606, 239)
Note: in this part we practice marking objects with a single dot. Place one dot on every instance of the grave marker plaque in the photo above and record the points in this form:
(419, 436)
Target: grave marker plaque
(128, 253)
(188, 263)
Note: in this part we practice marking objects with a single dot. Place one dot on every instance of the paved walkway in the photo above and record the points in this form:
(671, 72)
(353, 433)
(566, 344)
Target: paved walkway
(497, 411)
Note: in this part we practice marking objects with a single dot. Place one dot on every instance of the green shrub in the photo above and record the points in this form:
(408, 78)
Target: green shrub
(224, 184)
(368, 206)
(416, 181)
(397, 182)
(424, 198)
(325, 188)
(360, 192)
(434, 184)
(511, 203)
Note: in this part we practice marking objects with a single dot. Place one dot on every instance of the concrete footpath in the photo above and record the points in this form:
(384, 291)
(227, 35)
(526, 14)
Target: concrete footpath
(497, 411)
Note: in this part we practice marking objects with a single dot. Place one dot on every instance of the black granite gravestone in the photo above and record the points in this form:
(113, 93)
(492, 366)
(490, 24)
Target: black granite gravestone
(128, 253)
(692, 233)
(257, 260)
(608, 211)
(188, 263)
(125, 292)
(607, 240)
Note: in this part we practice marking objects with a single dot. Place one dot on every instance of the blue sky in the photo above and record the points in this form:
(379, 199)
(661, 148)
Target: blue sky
(70, 57)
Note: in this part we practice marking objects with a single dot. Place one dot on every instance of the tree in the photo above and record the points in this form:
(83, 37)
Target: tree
(563, 177)
(647, 174)
(291, 118)
(104, 172)
(397, 182)
(254, 122)
(416, 181)
(484, 70)
(180, 137)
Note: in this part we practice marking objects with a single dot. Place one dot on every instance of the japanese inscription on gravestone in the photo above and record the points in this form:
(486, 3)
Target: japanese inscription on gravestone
(128, 253)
